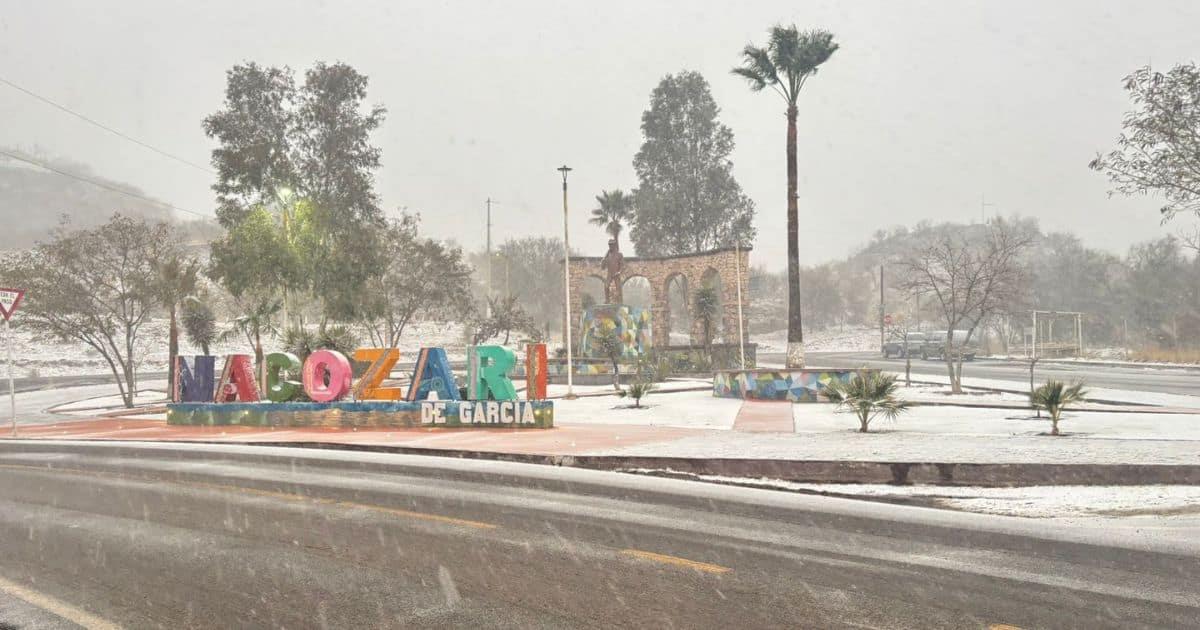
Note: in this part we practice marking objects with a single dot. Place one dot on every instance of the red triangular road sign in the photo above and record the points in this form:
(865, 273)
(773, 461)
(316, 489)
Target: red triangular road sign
(10, 299)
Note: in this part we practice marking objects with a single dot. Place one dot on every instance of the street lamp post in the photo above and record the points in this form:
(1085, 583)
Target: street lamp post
(564, 169)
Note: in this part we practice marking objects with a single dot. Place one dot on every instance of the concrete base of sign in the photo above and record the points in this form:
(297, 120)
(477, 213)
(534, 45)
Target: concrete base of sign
(490, 414)
(793, 385)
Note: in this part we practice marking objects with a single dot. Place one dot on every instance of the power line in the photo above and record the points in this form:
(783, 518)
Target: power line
(105, 127)
(101, 184)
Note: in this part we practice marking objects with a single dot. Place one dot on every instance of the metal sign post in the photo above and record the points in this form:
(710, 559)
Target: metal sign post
(10, 299)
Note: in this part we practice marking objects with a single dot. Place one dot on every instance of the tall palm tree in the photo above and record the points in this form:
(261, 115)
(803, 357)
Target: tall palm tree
(175, 278)
(616, 208)
(790, 58)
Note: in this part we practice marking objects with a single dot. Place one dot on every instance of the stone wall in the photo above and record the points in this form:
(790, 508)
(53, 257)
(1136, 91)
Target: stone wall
(659, 271)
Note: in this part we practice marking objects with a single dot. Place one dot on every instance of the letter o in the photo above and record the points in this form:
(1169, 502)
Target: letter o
(323, 362)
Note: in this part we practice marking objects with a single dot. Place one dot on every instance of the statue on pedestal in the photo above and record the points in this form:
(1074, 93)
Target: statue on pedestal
(613, 263)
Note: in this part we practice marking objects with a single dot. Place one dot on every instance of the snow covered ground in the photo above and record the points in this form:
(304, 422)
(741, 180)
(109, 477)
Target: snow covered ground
(852, 339)
(1032, 502)
(1094, 393)
(92, 406)
(695, 409)
(952, 421)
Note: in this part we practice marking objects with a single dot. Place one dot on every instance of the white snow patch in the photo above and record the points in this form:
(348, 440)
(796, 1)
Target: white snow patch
(91, 406)
(1031, 501)
(695, 409)
(851, 339)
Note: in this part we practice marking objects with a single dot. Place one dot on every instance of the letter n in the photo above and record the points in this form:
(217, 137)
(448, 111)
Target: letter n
(194, 380)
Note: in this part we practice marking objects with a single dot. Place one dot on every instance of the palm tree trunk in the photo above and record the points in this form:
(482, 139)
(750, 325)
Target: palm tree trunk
(172, 349)
(1054, 424)
(259, 363)
(795, 346)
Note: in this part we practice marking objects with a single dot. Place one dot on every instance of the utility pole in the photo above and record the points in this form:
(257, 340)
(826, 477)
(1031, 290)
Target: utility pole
(983, 204)
(882, 341)
(737, 265)
(564, 169)
(488, 291)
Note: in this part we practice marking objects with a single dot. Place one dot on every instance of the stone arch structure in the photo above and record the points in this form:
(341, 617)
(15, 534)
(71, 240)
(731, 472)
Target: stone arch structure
(710, 277)
(631, 287)
(659, 270)
(677, 286)
(590, 284)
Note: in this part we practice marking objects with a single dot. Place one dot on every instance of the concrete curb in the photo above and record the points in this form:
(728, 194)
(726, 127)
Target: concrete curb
(1191, 367)
(813, 471)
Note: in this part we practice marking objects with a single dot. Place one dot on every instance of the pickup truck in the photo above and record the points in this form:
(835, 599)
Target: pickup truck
(935, 345)
(896, 346)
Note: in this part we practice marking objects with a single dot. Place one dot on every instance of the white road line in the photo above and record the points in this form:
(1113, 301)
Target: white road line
(56, 607)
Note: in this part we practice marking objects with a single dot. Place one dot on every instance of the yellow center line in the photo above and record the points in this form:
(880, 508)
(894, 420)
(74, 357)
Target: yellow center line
(56, 607)
(1002, 626)
(675, 560)
(285, 496)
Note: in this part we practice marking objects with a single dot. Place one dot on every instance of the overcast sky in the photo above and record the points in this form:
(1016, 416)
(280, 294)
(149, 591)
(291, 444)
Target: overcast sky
(927, 107)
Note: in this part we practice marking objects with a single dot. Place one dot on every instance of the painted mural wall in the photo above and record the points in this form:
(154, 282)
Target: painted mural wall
(631, 323)
(803, 385)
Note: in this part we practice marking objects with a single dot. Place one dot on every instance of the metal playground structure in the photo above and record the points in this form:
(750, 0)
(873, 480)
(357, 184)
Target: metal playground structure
(1054, 334)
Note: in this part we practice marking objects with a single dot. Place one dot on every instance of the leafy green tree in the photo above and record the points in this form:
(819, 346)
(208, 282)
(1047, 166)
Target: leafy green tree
(422, 278)
(1054, 396)
(175, 279)
(615, 209)
(869, 394)
(96, 286)
(706, 308)
(199, 322)
(254, 131)
(295, 185)
(687, 199)
(790, 58)
(1158, 150)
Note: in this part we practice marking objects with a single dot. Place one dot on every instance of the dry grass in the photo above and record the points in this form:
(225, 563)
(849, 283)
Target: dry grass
(1166, 355)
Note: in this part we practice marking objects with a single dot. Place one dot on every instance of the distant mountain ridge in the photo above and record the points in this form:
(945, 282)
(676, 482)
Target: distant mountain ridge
(33, 201)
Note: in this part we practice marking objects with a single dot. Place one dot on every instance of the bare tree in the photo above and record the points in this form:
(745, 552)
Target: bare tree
(423, 278)
(971, 278)
(97, 286)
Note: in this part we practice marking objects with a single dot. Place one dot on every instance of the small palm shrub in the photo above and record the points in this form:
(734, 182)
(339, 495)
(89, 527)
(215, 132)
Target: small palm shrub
(869, 395)
(1054, 396)
(637, 390)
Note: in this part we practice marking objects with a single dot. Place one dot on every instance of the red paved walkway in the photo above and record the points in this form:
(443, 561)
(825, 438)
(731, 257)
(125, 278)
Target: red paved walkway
(764, 417)
(562, 440)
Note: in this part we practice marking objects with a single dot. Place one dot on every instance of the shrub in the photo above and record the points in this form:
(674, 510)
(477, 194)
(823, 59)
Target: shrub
(637, 390)
(1054, 396)
(868, 395)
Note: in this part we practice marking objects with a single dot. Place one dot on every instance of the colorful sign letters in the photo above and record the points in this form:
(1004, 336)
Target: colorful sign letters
(327, 378)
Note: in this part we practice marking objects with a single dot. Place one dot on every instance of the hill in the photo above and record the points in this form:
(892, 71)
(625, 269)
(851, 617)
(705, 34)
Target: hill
(33, 201)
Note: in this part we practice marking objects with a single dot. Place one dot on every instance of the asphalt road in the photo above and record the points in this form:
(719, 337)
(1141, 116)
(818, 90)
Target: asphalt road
(173, 536)
(1145, 379)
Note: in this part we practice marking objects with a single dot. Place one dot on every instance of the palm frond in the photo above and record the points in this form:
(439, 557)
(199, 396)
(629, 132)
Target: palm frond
(757, 68)
(868, 394)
